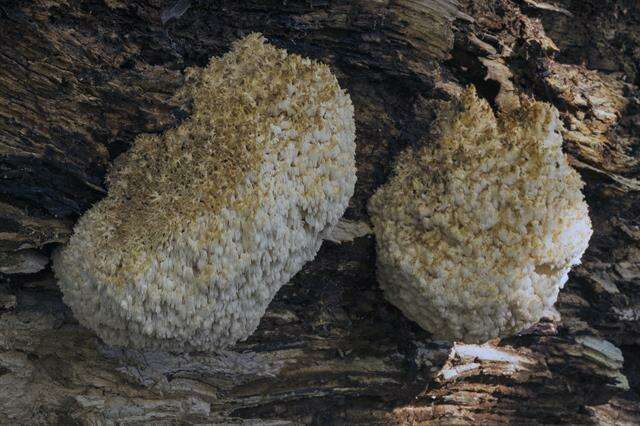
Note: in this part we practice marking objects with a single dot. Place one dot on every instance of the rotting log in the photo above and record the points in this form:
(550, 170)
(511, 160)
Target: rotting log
(78, 82)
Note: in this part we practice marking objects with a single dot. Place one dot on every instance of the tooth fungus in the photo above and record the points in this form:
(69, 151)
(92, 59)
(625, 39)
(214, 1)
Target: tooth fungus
(203, 224)
(478, 228)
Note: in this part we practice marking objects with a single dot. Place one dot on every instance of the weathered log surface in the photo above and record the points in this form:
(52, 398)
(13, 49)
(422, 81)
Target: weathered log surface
(78, 82)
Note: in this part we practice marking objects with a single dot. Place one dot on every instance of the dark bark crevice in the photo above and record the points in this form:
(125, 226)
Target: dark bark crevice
(80, 80)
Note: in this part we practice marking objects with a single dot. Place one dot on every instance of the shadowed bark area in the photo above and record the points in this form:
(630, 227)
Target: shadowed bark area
(78, 82)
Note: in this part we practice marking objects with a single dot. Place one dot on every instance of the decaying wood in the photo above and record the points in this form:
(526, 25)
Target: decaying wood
(78, 82)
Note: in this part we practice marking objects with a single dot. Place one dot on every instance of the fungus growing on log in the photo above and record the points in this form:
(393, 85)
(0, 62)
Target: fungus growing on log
(477, 230)
(203, 224)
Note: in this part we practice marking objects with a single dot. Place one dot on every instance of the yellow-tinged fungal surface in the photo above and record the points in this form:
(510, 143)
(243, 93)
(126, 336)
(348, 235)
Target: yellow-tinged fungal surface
(478, 229)
(203, 224)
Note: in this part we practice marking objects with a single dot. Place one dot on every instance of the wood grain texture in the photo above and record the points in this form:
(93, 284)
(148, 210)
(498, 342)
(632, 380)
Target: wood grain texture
(78, 82)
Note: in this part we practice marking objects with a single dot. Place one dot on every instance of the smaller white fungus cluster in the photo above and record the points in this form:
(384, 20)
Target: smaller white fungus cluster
(203, 224)
(478, 229)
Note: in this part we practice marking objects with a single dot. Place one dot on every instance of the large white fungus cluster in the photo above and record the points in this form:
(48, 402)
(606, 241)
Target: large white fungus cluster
(478, 229)
(203, 224)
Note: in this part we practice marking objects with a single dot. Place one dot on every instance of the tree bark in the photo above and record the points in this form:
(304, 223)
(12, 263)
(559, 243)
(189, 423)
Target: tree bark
(78, 82)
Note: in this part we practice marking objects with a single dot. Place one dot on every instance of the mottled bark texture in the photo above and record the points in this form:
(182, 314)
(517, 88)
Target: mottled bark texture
(79, 80)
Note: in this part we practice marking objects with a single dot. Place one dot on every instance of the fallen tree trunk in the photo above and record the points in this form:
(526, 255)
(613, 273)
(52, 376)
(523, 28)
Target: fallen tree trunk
(78, 82)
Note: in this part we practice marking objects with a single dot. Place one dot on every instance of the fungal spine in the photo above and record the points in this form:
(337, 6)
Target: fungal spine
(479, 227)
(203, 224)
